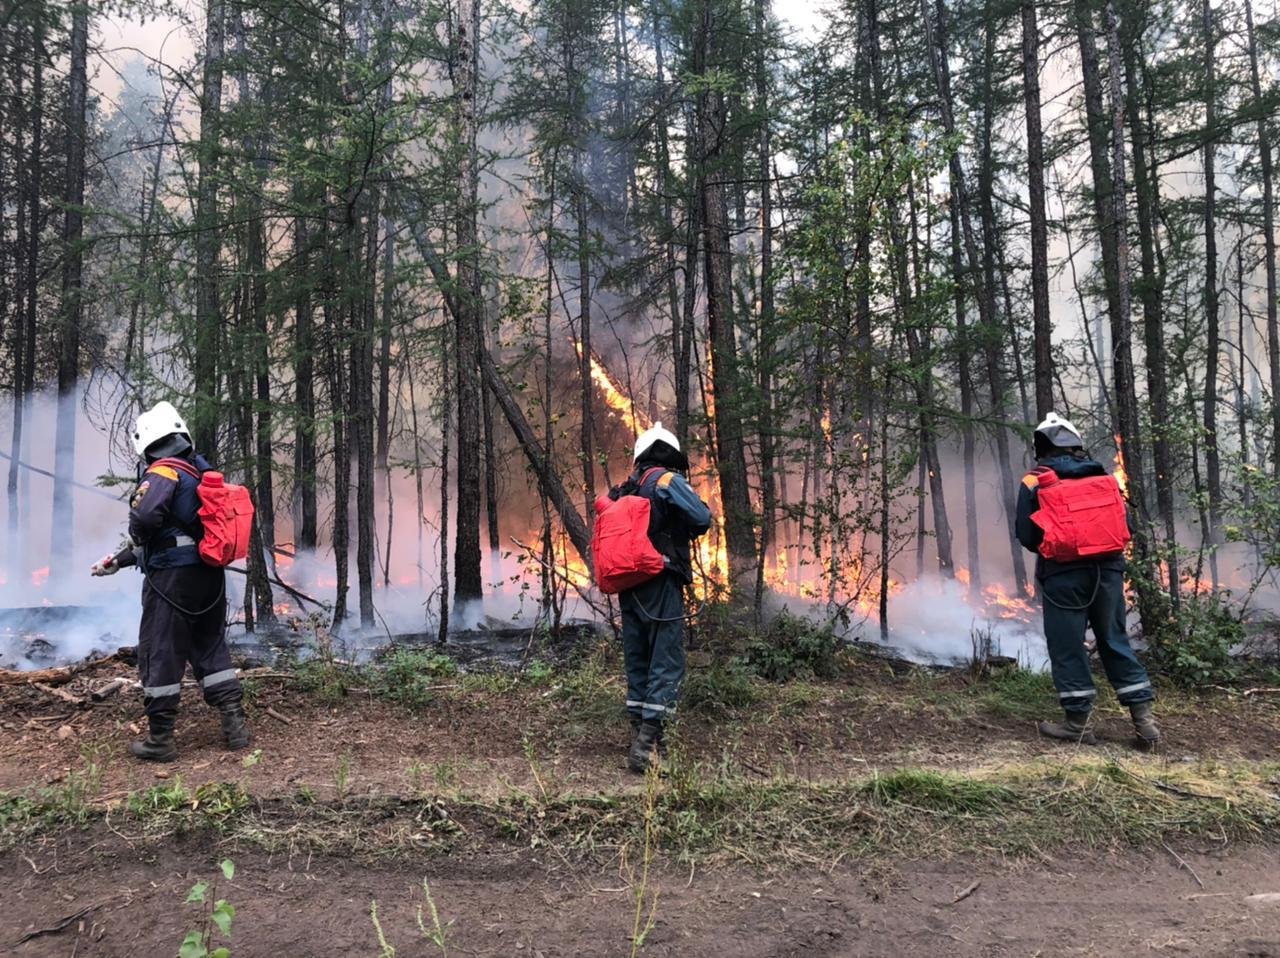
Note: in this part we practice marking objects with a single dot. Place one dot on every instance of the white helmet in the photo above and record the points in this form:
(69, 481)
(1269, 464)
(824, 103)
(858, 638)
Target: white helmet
(1059, 432)
(157, 422)
(652, 435)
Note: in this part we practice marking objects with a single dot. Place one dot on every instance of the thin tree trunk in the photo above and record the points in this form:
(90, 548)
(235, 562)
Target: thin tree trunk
(60, 551)
(967, 411)
(207, 235)
(764, 361)
(983, 293)
(1151, 291)
(1268, 236)
(1044, 373)
(730, 453)
(304, 462)
(1213, 469)
(467, 585)
(384, 348)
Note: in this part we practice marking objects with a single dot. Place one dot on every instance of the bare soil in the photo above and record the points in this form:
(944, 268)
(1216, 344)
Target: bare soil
(1135, 903)
(126, 890)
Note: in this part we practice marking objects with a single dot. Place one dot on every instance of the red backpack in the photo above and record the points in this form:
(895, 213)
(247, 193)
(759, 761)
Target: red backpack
(1081, 518)
(226, 514)
(624, 555)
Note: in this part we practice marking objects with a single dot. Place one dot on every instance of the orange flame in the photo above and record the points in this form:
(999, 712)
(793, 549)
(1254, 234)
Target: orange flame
(613, 395)
(1121, 474)
(39, 577)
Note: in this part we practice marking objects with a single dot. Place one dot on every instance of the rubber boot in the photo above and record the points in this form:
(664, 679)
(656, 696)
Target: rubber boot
(644, 750)
(158, 746)
(635, 730)
(235, 731)
(661, 742)
(1073, 728)
(1145, 725)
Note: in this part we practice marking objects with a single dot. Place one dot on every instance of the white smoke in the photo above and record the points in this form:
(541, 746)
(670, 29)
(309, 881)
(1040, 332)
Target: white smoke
(933, 621)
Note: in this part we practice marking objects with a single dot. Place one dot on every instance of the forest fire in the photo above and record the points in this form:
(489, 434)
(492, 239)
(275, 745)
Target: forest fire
(613, 395)
(1121, 474)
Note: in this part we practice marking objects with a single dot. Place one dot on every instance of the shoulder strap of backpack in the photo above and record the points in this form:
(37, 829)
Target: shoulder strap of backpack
(647, 473)
(180, 464)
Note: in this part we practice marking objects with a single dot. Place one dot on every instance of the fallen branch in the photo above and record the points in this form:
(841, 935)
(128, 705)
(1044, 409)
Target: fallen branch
(966, 892)
(278, 716)
(110, 689)
(1183, 864)
(64, 922)
(55, 676)
(1248, 692)
(63, 694)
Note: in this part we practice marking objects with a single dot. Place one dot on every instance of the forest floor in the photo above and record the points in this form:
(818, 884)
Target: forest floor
(886, 811)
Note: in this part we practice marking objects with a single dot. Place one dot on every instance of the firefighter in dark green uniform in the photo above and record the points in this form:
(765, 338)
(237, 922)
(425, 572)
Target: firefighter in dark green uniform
(1077, 595)
(653, 612)
(184, 601)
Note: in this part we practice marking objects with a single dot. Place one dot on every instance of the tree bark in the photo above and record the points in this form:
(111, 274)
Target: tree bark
(730, 453)
(1268, 236)
(207, 234)
(1044, 373)
(60, 551)
(304, 462)
(1213, 468)
(984, 295)
(764, 361)
(467, 585)
(1151, 292)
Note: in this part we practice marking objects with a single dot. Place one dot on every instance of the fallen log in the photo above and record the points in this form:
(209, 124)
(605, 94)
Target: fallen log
(110, 689)
(63, 694)
(55, 676)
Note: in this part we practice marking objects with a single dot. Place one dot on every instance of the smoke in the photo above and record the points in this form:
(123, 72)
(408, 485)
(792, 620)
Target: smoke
(933, 621)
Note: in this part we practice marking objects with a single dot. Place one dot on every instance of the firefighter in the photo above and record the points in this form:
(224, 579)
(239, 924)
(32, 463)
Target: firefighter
(183, 599)
(653, 612)
(1081, 594)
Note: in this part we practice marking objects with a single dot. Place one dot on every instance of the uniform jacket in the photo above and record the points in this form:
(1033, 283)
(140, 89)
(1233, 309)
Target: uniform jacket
(1067, 466)
(163, 516)
(676, 515)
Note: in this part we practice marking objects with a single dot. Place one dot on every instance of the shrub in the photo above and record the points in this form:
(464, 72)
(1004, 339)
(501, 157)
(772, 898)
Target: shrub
(792, 647)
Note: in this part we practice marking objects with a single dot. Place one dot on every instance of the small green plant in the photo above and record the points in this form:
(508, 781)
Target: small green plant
(436, 932)
(342, 775)
(539, 672)
(213, 915)
(1198, 652)
(446, 774)
(791, 647)
(407, 676)
(646, 902)
(719, 688)
(922, 788)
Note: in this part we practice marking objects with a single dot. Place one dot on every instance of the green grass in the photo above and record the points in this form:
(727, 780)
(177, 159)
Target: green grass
(709, 814)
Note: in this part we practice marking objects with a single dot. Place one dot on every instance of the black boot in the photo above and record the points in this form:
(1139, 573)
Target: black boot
(1145, 725)
(635, 730)
(158, 746)
(644, 750)
(235, 731)
(1073, 728)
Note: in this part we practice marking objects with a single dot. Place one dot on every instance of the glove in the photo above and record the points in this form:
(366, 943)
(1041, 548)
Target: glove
(107, 565)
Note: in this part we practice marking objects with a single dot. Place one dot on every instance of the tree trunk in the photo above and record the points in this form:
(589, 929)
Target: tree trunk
(730, 453)
(1213, 468)
(467, 585)
(384, 348)
(1044, 374)
(1268, 236)
(304, 461)
(208, 242)
(967, 412)
(538, 460)
(1151, 291)
(60, 551)
(764, 361)
(984, 295)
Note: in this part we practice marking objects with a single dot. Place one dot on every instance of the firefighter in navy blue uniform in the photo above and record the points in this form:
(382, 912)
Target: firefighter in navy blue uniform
(653, 612)
(1080, 595)
(183, 599)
